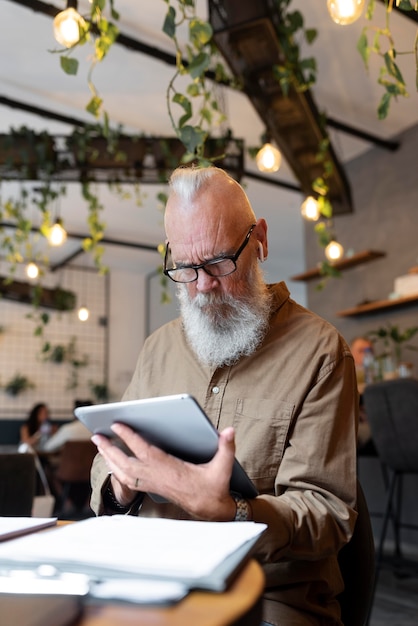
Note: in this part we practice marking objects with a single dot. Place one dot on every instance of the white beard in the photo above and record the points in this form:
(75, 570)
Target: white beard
(223, 328)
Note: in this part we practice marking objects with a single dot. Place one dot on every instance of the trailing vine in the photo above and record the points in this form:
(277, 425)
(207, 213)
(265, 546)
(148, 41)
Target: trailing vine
(382, 43)
(101, 32)
(199, 108)
(294, 70)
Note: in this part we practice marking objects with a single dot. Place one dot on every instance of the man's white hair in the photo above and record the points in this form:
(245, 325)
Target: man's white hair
(186, 181)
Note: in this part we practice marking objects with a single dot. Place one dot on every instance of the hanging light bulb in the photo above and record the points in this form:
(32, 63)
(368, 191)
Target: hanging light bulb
(57, 234)
(83, 314)
(334, 251)
(268, 159)
(68, 25)
(310, 209)
(345, 12)
(32, 270)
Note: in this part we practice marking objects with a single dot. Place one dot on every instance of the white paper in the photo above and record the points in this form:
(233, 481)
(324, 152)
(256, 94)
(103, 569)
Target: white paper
(135, 545)
(14, 526)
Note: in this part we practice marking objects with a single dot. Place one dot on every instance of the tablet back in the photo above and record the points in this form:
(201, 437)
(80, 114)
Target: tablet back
(177, 424)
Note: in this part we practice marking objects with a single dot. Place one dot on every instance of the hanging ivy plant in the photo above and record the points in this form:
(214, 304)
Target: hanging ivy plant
(380, 41)
(199, 108)
(101, 32)
(294, 70)
(60, 353)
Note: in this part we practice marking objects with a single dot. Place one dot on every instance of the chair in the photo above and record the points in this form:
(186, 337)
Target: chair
(73, 473)
(17, 484)
(392, 410)
(357, 564)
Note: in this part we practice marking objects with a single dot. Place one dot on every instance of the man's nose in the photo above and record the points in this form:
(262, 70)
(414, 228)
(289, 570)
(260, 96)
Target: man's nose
(205, 282)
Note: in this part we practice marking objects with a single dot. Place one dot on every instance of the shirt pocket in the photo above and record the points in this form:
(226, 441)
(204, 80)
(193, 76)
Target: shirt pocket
(261, 433)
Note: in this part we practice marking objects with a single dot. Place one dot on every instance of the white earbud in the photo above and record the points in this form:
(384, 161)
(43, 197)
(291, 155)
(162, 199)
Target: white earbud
(261, 251)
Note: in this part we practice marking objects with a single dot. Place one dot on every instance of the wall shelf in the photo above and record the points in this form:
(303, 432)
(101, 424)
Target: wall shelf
(378, 305)
(344, 264)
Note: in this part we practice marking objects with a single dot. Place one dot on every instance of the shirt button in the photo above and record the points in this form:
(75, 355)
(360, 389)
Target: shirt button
(215, 390)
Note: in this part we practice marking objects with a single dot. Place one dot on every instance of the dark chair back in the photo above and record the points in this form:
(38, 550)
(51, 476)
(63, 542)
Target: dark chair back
(17, 484)
(75, 462)
(73, 474)
(357, 564)
(392, 410)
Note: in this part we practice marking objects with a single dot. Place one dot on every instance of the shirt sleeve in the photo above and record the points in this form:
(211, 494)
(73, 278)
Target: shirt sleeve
(313, 511)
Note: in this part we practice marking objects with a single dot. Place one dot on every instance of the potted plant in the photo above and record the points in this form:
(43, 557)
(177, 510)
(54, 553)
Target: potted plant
(394, 342)
(100, 391)
(17, 385)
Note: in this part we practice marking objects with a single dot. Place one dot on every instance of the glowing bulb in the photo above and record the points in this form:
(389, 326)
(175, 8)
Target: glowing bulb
(268, 159)
(83, 314)
(310, 209)
(334, 251)
(32, 270)
(345, 12)
(57, 235)
(68, 27)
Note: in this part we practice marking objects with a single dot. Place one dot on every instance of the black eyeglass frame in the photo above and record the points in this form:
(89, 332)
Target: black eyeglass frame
(204, 266)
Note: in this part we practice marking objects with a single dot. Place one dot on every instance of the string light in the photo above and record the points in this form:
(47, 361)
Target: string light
(334, 251)
(310, 209)
(32, 270)
(268, 159)
(345, 12)
(69, 25)
(57, 234)
(83, 314)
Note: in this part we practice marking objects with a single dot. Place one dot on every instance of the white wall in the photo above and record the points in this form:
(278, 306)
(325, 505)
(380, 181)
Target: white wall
(21, 349)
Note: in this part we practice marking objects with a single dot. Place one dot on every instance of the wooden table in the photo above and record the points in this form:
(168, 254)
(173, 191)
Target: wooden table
(239, 605)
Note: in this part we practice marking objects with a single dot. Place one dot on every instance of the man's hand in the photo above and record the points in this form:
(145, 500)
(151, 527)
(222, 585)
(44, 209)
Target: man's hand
(200, 489)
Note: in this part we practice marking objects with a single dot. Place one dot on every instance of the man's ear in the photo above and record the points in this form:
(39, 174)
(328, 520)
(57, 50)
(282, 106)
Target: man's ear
(261, 252)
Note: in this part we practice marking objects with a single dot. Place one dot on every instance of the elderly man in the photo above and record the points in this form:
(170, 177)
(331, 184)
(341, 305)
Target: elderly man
(276, 380)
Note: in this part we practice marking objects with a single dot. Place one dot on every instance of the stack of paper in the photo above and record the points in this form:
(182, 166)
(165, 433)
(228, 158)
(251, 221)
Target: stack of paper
(203, 555)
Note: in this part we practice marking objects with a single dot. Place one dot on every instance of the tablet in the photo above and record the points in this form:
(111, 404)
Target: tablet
(177, 424)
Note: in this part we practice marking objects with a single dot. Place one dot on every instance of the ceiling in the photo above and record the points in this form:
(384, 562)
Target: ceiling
(133, 86)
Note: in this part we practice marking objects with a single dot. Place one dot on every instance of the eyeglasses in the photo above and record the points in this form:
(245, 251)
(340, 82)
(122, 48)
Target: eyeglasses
(218, 267)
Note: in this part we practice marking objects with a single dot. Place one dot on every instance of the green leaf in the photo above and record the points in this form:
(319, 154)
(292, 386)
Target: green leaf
(70, 66)
(184, 102)
(200, 32)
(362, 47)
(193, 90)
(370, 9)
(376, 42)
(405, 5)
(392, 68)
(310, 34)
(169, 26)
(295, 20)
(325, 206)
(192, 137)
(199, 65)
(94, 105)
(206, 114)
(308, 64)
(383, 108)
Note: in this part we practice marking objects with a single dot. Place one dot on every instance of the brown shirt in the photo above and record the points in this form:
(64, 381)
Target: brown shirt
(293, 405)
